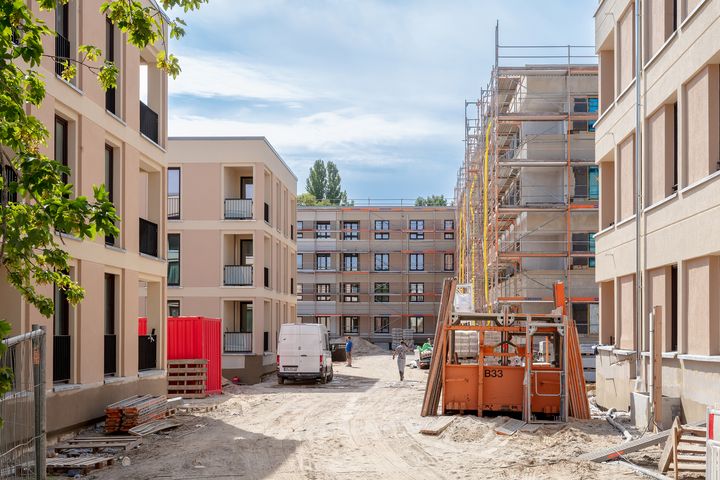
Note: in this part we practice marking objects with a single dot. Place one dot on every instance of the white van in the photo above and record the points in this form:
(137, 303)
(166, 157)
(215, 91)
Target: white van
(304, 353)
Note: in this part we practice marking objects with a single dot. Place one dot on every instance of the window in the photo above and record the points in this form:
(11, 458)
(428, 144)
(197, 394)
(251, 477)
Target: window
(584, 105)
(322, 261)
(246, 188)
(350, 262)
(109, 304)
(416, 229)
(580, 315)
(675, 167)
(350, 230)
(382, 324)
(449, 227)
(9, 176)
(416, 292)
(416, 324)
(581, 243)
(350, 292)
(382, 229)
(173, 192)
(109, 183)
(242, 318)
(299, 229)
(449, 262)
(299, 261)
(299, 291)
(323, 292)
(382, 262)
(350, 324)
(173, 308)
(62, 38)
(586, 183)
(382, 287)
(322, 230)
(173, 259)
(673, 309)
(61, 144)
(110, 57)
(417, 262)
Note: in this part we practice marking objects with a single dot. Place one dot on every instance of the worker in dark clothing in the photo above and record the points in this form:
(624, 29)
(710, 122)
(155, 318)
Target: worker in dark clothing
(348, 351)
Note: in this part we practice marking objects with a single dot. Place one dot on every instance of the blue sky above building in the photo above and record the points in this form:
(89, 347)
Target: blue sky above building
(378, 87)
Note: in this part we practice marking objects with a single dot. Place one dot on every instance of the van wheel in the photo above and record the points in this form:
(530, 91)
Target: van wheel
(323, 378)
(332, 374)
(281, 380)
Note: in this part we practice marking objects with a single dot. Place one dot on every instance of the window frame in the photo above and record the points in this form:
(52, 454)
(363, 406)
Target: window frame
(384, 263)
(351, 292)
(355, 323)
(175, 304)
(383, 231)
(381, 295)
(384, 324)
(170, 260)
(452, 262)
(449, 231)
(322, 233)
(299, 228)
(354, 230)
(353, 260)
(417, 229)
(323, 294)
(419, 259)
(327, 261)
(421, 322)
(417, 292)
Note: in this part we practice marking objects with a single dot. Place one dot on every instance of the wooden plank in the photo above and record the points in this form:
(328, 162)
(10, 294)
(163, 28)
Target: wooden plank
(700, 431)
(437, 425)
(657, 365)
(691, 458)
(175, 371)
(510, 427)
(666, 456)
(692, 449)
(615, 452)
(691, 439)
(530, 428)
(187, 378)
(689, 467)
(153, 427)
(192, 361)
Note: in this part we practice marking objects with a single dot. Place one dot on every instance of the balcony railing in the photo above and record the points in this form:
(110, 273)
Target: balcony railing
(147, 352)
(61, 358)
(238, 275)
(62, 53)
(173, 207)
(238, 209)
(148, 238)
(238, 342)
(148, 122)
(110, 355)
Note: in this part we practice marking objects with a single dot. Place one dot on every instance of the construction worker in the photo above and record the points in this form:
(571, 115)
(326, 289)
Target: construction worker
(400, 352)
(348, 351)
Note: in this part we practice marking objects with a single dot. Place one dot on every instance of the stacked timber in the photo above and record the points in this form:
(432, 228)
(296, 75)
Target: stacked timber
(433, 390)
(133, 411)
(577, 392)
(188, 378)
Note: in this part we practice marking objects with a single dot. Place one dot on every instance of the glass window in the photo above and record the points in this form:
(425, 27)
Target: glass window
(382, 324)
(299, 261)
(323, 261)
(351, 291)
(299, 229)
(417, 262)
(173, 259)
(323, 292)
(350, 262)
(416, 291)
(449, 262)
(350, 324)
(449, 227)
(61, 144)
(109, 183)
(173, 308)
(350, 230)
(109, 304)
(416, 229)
(382, 229)
(322, 230)
(382, 288)
(417, 325)
(382, 262)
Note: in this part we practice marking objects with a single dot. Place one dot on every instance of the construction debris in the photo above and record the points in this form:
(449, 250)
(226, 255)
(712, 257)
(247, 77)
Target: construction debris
(435, 426)
(133, 411)
(510, 427)
(154, 427)
(97, 443)
(685, 449)
(78, 465)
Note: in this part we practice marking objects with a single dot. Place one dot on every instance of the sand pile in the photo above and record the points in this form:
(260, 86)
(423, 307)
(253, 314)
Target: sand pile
(363, 347)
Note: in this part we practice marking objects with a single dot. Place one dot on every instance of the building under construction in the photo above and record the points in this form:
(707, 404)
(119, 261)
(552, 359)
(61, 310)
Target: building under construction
(527, 192)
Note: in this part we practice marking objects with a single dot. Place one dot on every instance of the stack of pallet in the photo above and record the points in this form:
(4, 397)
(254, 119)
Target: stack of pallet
(133, 411)
(188, 378)
(577, 392)
(433, 389)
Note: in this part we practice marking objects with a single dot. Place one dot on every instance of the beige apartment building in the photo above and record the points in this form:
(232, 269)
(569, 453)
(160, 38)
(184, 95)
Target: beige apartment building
(116, 138)
(679, 215)
(367, 271)
(231, 244)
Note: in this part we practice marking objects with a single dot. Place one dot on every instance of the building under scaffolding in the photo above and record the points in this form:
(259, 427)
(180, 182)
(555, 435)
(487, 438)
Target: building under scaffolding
(527, 192)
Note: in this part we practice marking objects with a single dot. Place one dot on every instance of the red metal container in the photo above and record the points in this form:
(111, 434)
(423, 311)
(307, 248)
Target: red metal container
(142, 326)
(195, 338)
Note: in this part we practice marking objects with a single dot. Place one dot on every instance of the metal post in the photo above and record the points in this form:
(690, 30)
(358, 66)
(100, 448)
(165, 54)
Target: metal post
(39, 360)
(638, 188)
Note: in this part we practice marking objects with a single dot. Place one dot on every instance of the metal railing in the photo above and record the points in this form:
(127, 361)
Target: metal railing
(110, 360)
(238, 209)
(173, 207)
(147, 352)
(61, 358)
(148, 238)
(149, 124)
(62, 53)
(237, 342)
(238, 275)
(22, 438)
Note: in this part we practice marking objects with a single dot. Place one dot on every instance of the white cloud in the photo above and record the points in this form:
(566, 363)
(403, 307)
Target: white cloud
(219, 77)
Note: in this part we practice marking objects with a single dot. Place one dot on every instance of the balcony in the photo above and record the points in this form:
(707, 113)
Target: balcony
(147, 352)
(237, 342)
(238, 209)
(148, 122)
(61, 358)
(238, 276)
(110, 355)
(173, 207)
(62, 53)
(148, 238)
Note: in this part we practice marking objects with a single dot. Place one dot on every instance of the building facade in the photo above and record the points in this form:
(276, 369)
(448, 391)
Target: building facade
(679, 242)
(368, 270)
(116, 138)
(231, 244)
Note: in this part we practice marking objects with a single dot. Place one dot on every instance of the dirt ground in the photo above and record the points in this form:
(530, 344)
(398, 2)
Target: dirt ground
(365, 424)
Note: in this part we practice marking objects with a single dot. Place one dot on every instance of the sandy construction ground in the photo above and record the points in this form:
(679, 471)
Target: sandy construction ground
(365, 424)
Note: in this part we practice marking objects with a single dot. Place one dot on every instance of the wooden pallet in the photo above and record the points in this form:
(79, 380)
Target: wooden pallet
(62, 465)
(98, 443)
(685, 449)
(187, 378)
(154, 427)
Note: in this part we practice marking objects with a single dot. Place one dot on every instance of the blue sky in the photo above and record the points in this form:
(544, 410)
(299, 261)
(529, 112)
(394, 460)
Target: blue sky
(377, 86)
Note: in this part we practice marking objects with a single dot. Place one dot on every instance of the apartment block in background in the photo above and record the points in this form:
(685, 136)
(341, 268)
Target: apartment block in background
(116, 138)
(680, 237)
(368, 270)
(231, 244)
